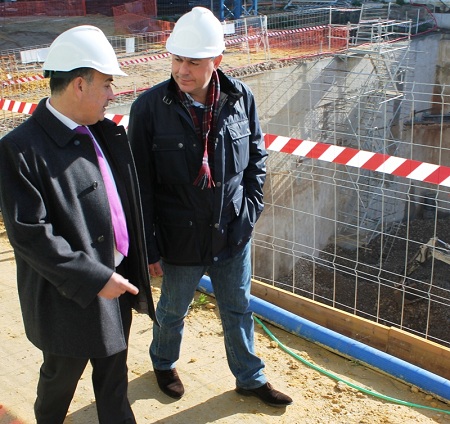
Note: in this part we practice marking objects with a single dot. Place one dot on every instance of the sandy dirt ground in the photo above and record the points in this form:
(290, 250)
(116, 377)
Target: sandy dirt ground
(319, 390)
(326, 388)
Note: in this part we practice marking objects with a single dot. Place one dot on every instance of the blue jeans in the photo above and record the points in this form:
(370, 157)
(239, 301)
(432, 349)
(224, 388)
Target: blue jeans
(231, 281)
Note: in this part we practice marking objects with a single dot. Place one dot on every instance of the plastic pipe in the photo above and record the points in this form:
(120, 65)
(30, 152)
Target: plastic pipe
(408, 373)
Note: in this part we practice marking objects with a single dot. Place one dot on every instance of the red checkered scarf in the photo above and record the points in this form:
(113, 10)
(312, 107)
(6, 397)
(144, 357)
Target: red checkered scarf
(207, 129)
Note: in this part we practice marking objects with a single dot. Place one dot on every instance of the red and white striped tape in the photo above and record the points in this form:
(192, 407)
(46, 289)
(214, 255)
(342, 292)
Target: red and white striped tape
(118, 119)
(137, 61)
(144, 59)
(295, 31)
(22, 80)
(378, 162)
(124, 63)
(19, 107)
(28, 109)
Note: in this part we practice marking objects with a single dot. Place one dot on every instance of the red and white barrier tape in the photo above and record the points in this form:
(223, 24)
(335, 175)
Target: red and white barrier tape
(144, 59)
(165, 55)
(378, 162)
(118, 119)
(124, 63)
(19, 107)
(28, 109)
(22, 80)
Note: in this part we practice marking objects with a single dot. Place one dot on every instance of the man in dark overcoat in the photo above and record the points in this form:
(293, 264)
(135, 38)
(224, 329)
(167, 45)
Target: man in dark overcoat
(76, 286)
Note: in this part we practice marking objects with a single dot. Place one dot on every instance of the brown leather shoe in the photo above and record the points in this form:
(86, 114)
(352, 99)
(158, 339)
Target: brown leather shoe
(170, 383)
(268, 395)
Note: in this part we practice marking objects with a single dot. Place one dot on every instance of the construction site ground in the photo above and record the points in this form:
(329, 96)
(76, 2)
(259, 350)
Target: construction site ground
(320, 391)
(319, 396)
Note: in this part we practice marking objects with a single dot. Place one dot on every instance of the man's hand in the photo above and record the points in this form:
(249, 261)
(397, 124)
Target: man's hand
(116, 286)
(155, 269)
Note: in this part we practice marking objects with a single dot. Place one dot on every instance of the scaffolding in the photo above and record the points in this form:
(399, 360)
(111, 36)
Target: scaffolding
(367, 118)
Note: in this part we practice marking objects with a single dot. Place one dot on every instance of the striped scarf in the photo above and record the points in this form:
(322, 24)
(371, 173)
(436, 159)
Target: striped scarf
(205, 129)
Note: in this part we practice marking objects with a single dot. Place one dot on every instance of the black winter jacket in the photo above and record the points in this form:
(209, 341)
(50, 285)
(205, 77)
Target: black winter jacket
(186, 225)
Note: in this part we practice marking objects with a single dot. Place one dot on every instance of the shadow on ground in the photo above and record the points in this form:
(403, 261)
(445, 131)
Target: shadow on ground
(222, 406)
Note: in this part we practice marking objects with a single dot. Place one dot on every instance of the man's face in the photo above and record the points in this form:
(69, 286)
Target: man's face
(97, 93)
(193, 75)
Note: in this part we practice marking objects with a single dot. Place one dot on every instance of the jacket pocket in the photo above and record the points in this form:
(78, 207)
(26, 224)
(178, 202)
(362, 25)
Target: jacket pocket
(240, 132)
(169, 154)
(241, 228)
(177, 237)
(237, 200)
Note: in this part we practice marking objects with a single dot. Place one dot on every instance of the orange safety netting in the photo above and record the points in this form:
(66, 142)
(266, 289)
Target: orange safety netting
(314, 39)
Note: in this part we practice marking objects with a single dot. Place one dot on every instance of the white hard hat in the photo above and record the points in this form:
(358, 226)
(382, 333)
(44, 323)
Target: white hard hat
(84, 46)
(198, 34)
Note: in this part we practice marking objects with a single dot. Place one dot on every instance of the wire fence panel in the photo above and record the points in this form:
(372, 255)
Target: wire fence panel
(357, 196)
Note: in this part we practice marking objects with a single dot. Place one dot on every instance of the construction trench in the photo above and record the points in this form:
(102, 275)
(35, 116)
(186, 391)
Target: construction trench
(337, 235)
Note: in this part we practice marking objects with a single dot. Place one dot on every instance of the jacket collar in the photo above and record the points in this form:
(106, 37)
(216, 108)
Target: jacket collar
(60, 133)
(56, 130)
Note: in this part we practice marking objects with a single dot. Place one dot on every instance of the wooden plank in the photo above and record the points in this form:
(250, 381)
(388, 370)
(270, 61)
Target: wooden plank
(419, 351)
(401, 344)
(342, 322)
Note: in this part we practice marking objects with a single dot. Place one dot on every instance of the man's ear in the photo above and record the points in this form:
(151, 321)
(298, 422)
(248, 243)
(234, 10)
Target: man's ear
(217, 61)
(78, 84)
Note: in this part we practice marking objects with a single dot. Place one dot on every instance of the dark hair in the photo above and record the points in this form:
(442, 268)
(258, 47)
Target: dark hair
(59, 80)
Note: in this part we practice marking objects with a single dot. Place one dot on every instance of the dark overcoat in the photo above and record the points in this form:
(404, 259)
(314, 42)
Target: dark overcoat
(57, 218)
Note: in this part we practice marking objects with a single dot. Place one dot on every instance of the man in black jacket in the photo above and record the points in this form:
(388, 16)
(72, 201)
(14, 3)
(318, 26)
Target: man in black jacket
(76, 229)
(200, 158)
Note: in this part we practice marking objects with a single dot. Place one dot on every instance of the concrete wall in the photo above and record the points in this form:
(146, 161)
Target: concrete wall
(287, 104)
(300, 217)
(442, 19)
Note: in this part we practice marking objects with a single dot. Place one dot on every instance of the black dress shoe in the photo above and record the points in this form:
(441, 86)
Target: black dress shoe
(268, 395)
(170, 383)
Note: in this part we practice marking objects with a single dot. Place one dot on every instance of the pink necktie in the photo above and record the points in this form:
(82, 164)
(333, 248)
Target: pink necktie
(118, 216)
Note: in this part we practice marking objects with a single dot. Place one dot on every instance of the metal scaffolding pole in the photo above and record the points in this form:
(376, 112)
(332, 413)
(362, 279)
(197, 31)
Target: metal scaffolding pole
(237, 9)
